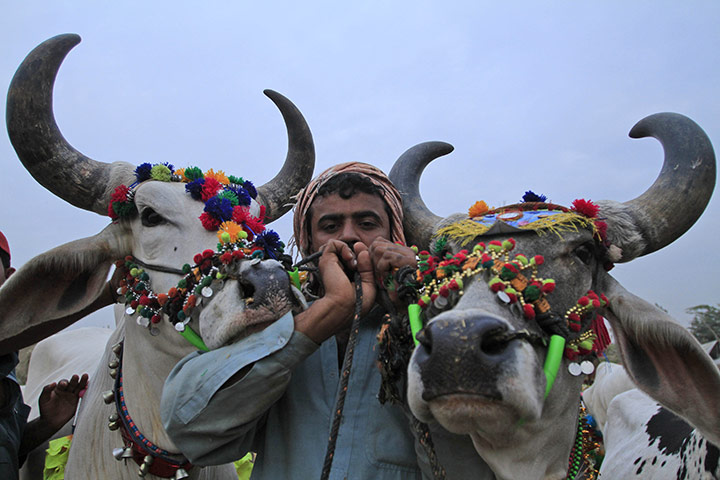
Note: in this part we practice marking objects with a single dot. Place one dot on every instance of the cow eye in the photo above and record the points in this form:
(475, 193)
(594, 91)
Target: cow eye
(150, 218)
(585, 252)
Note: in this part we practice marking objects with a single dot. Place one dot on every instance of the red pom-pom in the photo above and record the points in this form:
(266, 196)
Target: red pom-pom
(575, 327)
(539, 259)
(210, 189)
(585, 207)
(548, 287)
(226, 258)
(240, 213)
(255, 224)
(453, 285)
(574, 317)
(444, 291)
(570, 354)
(207, 253)
(238, 254)
(134, 304)
(209, 222)
(529, 311)
(584, 301)
(496, 287)
(198, 258)
(155, 318)
(144, 300)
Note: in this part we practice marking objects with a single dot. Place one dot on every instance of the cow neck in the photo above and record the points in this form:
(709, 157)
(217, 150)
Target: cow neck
(151, 458)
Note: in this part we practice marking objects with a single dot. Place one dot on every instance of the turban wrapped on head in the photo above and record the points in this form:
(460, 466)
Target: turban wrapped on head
(307, 195)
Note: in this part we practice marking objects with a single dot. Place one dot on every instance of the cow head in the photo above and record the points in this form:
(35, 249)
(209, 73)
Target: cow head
(490, 361)
(158, 226)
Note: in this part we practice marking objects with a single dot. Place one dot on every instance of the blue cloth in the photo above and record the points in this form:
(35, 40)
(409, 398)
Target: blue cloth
(13, 417)
(282, 409)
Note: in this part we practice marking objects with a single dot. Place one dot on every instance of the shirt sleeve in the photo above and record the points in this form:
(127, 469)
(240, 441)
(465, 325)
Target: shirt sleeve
(212, 426)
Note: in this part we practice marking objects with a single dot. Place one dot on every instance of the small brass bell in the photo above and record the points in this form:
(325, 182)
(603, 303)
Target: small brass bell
(118, 453)
(113, 364)
(113, 426)
(108, 396)
(117, 348)
(180, 474)
(113, 373)
(145, 467)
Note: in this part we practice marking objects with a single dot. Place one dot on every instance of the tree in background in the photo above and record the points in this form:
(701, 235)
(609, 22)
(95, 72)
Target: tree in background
(706, 324)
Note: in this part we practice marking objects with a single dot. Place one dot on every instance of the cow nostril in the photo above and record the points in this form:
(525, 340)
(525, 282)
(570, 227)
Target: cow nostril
(424, 337)
(247, 289)
(494, 341)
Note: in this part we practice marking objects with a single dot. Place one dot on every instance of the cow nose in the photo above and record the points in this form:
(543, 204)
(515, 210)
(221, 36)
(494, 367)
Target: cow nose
(463, 355)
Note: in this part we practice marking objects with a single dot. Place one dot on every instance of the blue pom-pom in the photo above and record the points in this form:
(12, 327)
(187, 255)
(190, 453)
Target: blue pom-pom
(142, 172)
(242, 194)
(531, 196)
(248, 185)
(270, 241)
(220, 208)
(194, 188)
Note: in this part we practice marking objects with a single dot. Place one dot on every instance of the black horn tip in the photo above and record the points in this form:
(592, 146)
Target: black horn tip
(656, 123)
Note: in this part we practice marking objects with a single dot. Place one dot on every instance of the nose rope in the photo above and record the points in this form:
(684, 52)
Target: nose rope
(158, 268)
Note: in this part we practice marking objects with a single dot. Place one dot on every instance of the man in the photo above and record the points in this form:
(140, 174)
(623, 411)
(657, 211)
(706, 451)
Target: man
(274, 392)
(57, 402)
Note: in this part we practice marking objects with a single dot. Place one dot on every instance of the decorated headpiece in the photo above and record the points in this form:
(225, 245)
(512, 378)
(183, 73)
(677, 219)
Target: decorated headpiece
(240, 235)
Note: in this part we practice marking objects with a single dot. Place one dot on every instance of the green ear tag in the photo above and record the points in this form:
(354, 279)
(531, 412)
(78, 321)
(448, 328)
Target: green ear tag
(415, 322)
(194, 338)
(556, 348)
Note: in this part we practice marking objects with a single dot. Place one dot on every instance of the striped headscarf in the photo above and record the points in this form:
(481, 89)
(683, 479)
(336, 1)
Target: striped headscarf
(307, 195)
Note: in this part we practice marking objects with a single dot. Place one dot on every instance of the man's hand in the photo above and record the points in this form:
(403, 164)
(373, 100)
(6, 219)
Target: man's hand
(58, 401)
(387, 258)
(333, 312)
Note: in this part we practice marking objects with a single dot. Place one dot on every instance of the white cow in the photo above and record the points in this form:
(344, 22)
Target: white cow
(57, 357)
(644, 439)
(164, 234)
(498, 349)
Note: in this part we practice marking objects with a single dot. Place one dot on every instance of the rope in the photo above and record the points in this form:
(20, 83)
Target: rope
(347, 365)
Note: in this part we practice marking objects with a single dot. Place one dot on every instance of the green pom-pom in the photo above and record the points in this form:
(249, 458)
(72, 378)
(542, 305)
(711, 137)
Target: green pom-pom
(508, 245)
(415, 249)
(160, 172)
(193, 173)
(230, 195)
(531, 293)
(198, 290)
(186, 268)
(243, 234)
(460, 283)
(182, 283)
(479, 248)
(144, 276)
(206, 281)
(181, 315)
(220, 276)
(522, 259)
(236, 180)
(135, 272)
(225, 237)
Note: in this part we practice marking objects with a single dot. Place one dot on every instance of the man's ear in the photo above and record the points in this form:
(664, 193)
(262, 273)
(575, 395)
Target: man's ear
(44, 294)
(9, 271)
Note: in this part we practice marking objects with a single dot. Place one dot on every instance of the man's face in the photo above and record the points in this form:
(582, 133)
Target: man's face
(360, 218)
(5, 273)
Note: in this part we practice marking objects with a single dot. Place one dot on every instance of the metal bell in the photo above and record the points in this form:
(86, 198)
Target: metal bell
(180, 474)
(128, 453)
(113, 373)
(118, 453)
(145, 467)
(117, 348)
(114, 417)
(108, 396)
(113, 364)
(113, 426)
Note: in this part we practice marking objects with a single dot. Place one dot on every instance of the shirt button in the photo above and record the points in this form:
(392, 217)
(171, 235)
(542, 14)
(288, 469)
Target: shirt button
(281, 341)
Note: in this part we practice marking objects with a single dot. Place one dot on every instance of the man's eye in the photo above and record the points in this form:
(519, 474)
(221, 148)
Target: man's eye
(329, 227)
(150, 218)
(368, 225)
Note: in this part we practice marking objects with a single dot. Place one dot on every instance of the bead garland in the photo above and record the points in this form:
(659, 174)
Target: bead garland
(441, 278)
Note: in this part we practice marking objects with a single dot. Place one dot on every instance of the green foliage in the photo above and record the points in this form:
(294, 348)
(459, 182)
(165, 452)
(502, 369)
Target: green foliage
(706, 324)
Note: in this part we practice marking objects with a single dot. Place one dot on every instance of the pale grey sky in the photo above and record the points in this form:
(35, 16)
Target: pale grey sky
(533, 96)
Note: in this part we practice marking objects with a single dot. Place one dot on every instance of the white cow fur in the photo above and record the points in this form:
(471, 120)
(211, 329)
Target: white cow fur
(634, 450)
(59, 357)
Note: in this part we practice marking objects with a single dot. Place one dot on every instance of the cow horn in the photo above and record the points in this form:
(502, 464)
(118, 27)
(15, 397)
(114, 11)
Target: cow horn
(418, 222)
(31, 125)
(683, 189)
(276, 195)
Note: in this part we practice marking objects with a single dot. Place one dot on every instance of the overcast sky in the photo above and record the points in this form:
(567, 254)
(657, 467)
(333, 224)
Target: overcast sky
(532, 96)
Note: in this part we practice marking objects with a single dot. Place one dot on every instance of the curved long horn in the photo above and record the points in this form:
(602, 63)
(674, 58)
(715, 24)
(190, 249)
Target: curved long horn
(418, 221)
(299, 164)
(683, 189)
(31, 125)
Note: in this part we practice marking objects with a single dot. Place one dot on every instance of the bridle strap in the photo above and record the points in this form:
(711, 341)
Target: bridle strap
(159, 268)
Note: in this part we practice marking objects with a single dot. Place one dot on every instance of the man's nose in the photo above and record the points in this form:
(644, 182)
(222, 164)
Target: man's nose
(349, 234)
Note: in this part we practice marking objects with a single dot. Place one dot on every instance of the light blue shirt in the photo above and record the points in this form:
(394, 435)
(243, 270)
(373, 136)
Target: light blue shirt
(282, 409)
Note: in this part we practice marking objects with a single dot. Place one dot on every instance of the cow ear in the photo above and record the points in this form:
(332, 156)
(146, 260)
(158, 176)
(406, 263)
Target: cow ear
(665, 360)
(46, 294)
